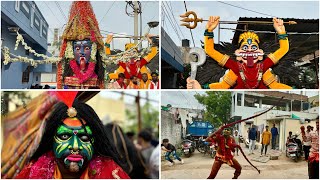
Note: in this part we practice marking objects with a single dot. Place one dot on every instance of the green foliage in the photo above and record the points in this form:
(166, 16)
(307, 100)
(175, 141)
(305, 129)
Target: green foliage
(149, 116)
(19, 98)
(218, 106)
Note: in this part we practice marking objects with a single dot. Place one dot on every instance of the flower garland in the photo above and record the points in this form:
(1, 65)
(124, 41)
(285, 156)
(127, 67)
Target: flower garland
(93, 52)
(79, 74)
(123, 56)
(7, 58)
(69, 51)
(26, 47)
(106, 59)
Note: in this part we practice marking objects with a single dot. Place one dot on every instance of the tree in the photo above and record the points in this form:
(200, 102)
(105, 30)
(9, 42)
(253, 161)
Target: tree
(149, 115)
(218, 106)
(19, 98)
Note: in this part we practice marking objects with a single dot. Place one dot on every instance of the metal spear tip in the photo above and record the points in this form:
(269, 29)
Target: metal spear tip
(183, 15)
(187, 20)
(184, 24)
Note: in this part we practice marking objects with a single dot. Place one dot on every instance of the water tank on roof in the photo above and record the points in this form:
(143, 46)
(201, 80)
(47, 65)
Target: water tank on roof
(185, 43)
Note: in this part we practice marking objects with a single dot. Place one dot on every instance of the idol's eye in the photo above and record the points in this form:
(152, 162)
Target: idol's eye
(245, 47)
(84, 138)
(254, 47)
(77, 48)
(87, 48)
(64, 136)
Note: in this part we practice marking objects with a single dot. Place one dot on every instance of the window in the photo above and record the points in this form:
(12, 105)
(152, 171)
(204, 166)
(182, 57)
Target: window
(25, 8)
(25, 75)
(27, 52)
(44, 31)
(17, 6)
(239, 96)
(37, 22)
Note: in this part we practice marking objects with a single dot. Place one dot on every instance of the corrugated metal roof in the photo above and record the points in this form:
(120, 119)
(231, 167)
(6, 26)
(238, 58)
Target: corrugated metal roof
(302, 26)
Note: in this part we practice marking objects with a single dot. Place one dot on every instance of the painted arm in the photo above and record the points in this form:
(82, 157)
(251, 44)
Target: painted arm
(270, 80)
(154, 48)
(209, 43)
(115, 75)
(107, 44)
(283, 41)
(152, 54)
(228, 81)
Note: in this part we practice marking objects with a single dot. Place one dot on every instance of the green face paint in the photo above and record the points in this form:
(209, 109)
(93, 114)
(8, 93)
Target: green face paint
(71, 143)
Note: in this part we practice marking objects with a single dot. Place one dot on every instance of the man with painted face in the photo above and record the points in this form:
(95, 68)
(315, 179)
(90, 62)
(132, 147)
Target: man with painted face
(74, 145)
(250, 70)
(226, 145)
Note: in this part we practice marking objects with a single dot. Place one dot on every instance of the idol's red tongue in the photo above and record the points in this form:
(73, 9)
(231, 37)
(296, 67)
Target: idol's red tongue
(74, 157)
(250, 61)
(82, 63)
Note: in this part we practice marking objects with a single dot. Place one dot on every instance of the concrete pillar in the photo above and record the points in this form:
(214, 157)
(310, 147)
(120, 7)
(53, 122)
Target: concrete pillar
(242, 99)
(287, 106)
(236, 98)
(260, 103)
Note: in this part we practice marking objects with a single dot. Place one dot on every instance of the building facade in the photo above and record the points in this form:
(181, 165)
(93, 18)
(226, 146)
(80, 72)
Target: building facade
(25, 17)
(290, 113)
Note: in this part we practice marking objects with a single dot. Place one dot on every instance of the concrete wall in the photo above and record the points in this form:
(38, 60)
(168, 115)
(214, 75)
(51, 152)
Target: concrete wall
(170, 130)
(284, 123)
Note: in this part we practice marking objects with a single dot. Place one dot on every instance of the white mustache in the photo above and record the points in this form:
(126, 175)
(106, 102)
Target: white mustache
(249, 54)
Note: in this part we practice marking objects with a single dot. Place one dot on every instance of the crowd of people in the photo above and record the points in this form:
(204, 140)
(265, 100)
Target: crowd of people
(228, 146)
(135, 83)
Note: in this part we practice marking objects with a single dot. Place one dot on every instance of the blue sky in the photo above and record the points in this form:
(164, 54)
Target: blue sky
(115, 20)
(281, 9)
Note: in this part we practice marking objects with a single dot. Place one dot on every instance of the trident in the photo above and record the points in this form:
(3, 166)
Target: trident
(185, 18)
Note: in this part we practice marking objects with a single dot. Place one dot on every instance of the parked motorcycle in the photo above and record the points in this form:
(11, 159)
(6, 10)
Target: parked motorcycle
(213, 150)
(187, 147)
(294, 148)
(201, 146)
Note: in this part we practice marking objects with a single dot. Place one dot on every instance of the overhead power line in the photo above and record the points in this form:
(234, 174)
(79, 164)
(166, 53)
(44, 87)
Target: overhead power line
(60, 9)
(246, 9)
(165, 11)
(185, 6)
(107, 12)
(170, 8)
(52, 13)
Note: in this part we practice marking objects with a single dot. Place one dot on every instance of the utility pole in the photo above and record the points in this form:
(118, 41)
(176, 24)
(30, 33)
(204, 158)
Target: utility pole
(139, 111)
(136, 8)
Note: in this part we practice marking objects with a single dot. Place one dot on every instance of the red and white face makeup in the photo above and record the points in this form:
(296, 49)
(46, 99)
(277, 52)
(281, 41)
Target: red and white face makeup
(249, 53)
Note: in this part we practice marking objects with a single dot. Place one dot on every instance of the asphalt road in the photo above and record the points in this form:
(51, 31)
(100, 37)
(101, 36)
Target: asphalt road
(198, 166)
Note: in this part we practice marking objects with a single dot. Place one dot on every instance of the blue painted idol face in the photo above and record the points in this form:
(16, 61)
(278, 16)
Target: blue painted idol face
(82, 51)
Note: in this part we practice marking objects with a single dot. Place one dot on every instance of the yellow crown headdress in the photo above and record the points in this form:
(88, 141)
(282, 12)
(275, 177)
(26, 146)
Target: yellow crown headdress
(249, 37)
(129, 46)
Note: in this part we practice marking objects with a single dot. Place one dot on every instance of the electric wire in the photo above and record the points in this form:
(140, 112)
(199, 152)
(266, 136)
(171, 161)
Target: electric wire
(60, 9)
(107, 11)
(170, 21)
(185, 6)
(246, 9)
(175, 20)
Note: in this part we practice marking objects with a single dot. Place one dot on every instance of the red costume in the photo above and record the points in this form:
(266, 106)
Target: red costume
(226, 145)
(133, 69)
(46, 168)
(252, 78)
